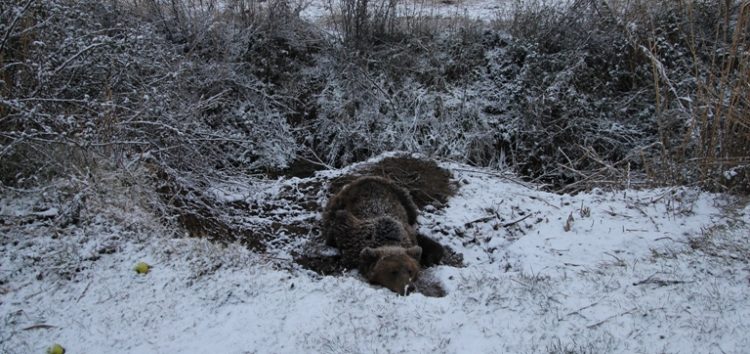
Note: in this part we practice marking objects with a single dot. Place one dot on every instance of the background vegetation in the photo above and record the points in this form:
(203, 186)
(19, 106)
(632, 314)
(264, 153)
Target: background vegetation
(590, 93)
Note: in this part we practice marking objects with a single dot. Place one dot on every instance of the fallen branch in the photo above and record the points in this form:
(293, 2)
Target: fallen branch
(578, 312)
(483, 219)
(659, 282)
(39, 326)
(488, 218)
(611, 317)
(517, 221)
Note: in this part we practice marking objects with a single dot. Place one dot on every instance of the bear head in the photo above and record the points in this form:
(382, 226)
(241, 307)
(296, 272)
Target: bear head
(394, 267)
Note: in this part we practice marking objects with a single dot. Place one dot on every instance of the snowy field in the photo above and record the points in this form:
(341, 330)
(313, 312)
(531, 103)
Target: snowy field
(646, 271)
(319, 10)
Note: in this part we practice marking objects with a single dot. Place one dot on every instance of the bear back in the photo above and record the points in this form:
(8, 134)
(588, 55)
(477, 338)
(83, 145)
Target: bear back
(369, 197)
(369, 212)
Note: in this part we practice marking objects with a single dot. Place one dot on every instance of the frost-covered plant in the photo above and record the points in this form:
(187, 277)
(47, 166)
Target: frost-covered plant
(270, 142)
(612, 89)
(568, 95)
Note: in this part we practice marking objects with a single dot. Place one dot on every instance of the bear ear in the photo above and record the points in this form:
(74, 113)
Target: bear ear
(369, 254)
(415, 252)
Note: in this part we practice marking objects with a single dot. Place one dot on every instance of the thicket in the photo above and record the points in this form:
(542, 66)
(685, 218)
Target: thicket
(621, 93)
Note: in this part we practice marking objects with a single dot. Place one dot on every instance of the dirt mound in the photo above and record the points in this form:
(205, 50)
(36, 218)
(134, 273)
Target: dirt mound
(287, 219)
(323, 265)
(272, 222)
(428, 183)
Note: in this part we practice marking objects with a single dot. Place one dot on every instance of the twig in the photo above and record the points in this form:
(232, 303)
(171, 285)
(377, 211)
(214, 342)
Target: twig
(613, 213)
(268, 257)
(484, 219)
(84, 50)
(319, 161)
(84, 291)
(581, 309)
(664, 238)
(38, 326)
(544, 201)
(520, 183)
(517, 221)
(615, 257)
(636, 207)
(590, 153)
(659, 282)
(611, 317)
(14, 23)
(659, 68)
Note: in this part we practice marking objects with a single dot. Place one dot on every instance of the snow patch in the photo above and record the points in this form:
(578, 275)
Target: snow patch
(636, 271)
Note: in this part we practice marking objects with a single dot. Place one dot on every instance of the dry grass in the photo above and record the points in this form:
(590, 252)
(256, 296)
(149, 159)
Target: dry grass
(680, 66)
(714, 148)
(721, 108)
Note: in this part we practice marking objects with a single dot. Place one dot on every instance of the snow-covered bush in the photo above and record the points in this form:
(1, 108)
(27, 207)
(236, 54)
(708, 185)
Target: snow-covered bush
(72, 74)
(612, 90)
(268, 136)
(119, 86)
(85, 83)
(609, 92)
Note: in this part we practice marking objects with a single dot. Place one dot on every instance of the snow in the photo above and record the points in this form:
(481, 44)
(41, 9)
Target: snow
(656, 270)
(606, 271)
(319, 10)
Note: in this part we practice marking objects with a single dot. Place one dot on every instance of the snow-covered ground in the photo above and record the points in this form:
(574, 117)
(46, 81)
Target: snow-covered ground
(319, 10)
(647, 271)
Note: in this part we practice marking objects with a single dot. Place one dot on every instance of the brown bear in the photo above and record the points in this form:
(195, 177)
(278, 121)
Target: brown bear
(373, 223)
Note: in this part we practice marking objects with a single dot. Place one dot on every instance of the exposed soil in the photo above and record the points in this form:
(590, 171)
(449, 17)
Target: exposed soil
(288, 217)
(430, 287)
(323, 265)
(452, 258)
(200, 216)
(428, 183)
(301, 168)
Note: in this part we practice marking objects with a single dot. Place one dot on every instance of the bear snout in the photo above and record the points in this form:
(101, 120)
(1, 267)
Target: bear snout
(409, 288)
(400, 287)
(397, 272)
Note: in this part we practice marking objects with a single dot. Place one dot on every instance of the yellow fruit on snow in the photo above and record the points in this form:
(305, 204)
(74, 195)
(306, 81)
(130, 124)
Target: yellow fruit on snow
(141, 268)
(56, 349)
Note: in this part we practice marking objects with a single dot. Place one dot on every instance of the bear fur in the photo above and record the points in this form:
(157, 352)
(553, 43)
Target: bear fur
(432, 251)
(373, 223)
